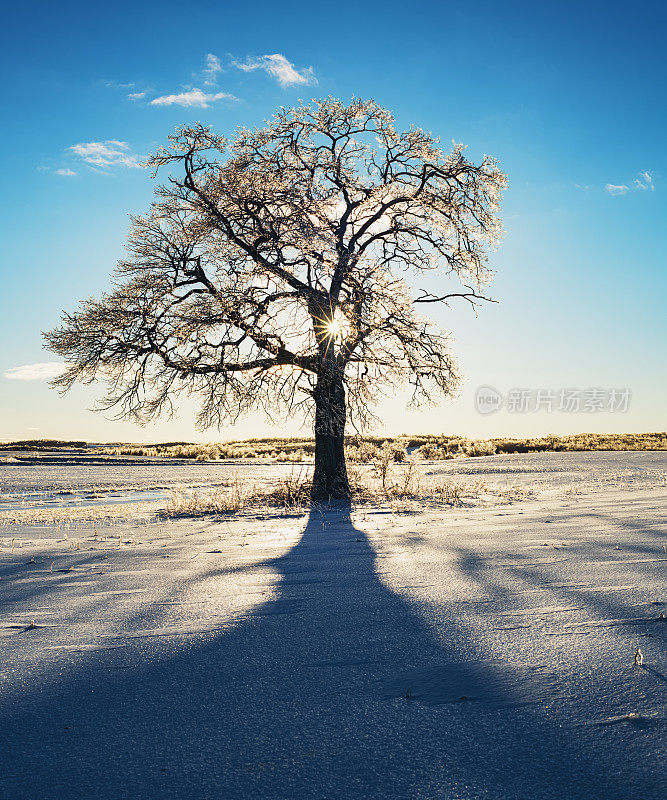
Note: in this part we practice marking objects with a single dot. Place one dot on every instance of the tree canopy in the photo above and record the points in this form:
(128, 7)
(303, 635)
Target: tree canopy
(279, 269)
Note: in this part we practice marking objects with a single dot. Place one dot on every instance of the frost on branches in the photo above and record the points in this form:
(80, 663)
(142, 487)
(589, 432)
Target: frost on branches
(280, 270)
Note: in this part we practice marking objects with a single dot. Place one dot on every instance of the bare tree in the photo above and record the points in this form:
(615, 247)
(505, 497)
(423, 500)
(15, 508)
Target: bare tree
(280, 269)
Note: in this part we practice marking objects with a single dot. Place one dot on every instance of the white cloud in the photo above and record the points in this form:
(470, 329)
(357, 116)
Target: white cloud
(117, 85)
(645, 181)
(213, 67)
(616, 189)
(64, 171)
(278, 67)
(35, 372)
(194, 98)
(110, 153)
(137, 95)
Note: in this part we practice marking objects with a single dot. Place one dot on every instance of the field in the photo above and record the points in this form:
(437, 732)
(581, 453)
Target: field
(475, 641)
(362, 449)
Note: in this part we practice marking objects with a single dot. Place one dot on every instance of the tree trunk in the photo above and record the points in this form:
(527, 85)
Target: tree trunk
(330, 477)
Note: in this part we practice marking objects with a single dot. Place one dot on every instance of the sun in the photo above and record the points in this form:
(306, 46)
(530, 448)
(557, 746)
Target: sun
(338, 327)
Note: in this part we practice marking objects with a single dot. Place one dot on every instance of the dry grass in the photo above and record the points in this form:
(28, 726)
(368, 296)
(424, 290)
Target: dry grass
(384, 482)
(359, 449)
(513, 494)
(78, 515)
(368, 449)
(292, 493)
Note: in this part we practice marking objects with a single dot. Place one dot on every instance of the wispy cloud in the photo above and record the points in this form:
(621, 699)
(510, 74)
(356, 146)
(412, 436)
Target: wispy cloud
(278, 67)
(65, 171)
(137, 94)
(644, 181)
(193, 98)
(190, 96)
(212, 69)
(616, 189)
(105, 155)
(117, 85)
(35, 372)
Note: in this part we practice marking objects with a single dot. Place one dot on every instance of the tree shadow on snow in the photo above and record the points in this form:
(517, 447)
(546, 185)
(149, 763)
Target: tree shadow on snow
(334, 688)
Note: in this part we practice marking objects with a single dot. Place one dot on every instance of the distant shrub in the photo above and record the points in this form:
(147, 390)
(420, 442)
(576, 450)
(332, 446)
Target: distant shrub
(42, 444)
(368, 449)
(363, 453)
(427, 451)
(480, 448)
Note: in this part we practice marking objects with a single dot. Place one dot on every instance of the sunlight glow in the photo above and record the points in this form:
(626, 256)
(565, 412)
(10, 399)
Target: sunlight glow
(338, 327)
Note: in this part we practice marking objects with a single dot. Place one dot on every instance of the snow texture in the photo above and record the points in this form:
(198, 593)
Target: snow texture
(475, 652)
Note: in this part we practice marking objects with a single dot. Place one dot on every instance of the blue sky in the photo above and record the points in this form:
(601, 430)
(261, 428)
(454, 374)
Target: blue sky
(568, 96)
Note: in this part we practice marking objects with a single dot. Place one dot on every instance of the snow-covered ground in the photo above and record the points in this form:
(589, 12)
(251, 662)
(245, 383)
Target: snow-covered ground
(479, 651)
